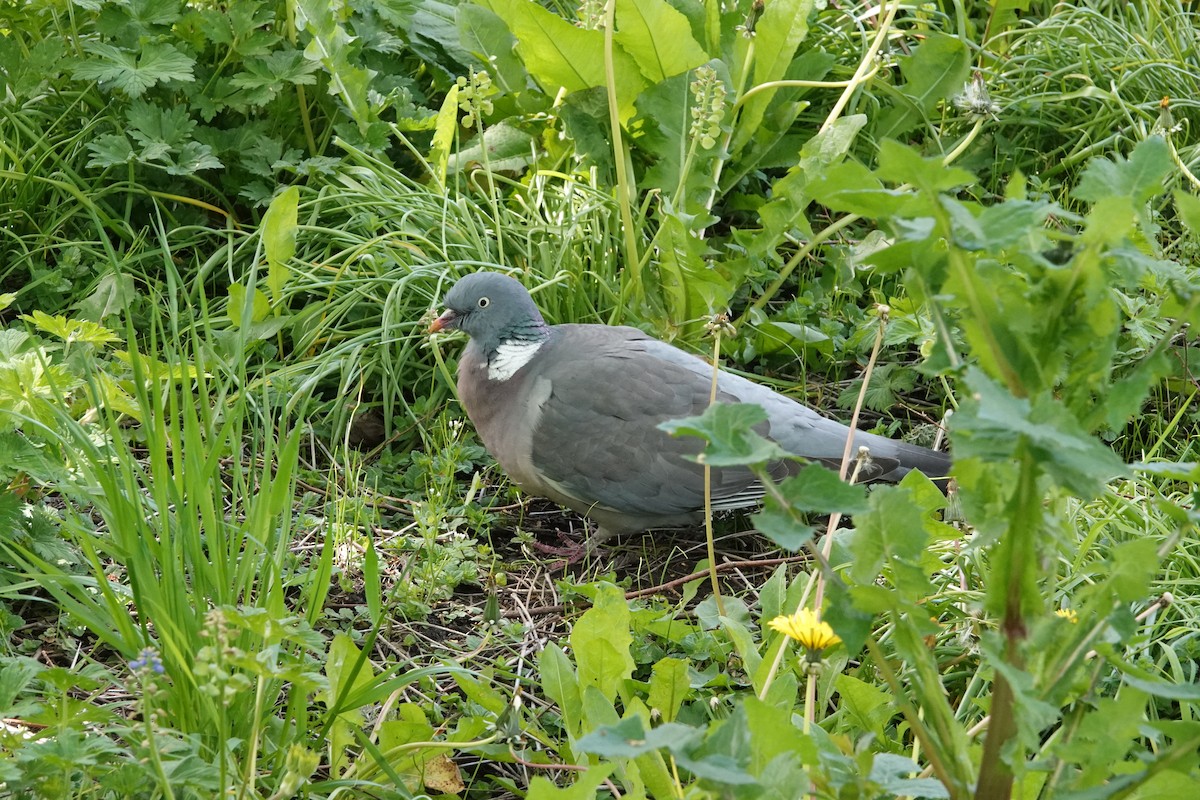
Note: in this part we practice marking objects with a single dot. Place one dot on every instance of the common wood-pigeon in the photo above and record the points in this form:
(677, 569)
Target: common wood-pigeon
(571, 412)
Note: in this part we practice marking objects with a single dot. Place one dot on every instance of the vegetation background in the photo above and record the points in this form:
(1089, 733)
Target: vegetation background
(250, 548)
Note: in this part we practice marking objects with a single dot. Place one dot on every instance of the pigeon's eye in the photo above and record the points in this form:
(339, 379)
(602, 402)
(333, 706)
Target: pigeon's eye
(483, 302)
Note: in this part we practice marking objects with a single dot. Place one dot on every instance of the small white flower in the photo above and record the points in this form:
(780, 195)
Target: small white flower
(975, 100)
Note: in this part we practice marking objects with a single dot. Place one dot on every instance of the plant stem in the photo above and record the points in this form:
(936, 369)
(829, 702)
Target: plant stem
(1018, 559)
(708, 526)
(633, 289)
(866, 67)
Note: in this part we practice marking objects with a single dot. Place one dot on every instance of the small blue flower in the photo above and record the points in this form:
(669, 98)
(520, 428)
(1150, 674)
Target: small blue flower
(147, 661)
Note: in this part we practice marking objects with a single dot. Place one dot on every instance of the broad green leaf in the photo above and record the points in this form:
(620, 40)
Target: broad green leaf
(1126, 395)
(344, 658)
(629, 738)
(853, 188)
(669, 686)
(561, 685)
(433, 34)
(891, 537)
(992, 423)
(663, 122)
(259, 308)
(996, 227)
(483, 693)
(900, 163)
(658, 38)
(789, 337)
(850, 613)
(814, 489)
(585, 788)
(690, 288)
(892, 773)
(561, 56)
(598, 710)
(1110, 221)
(1188, 692)
(868, 705)
(485, 36)
(789, 195)
(772, 733)
(1187, 205)
(934, 71)
(279, 238)
(780, 30)
(1104, 734)
(601, 640)
(728, 430)
(502, 147)
(1133, 565)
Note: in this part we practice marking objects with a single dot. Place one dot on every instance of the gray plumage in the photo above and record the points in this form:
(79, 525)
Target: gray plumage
(577, 419)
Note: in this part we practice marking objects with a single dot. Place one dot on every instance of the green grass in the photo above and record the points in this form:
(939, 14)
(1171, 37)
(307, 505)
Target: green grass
(251, 547)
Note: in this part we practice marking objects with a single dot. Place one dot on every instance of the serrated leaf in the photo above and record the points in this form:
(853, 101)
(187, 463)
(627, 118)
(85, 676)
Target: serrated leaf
(1137, 178)
(134, 73)
(789, 195)
(192, 158)
(728, 431)
(72, 330)
(150, 124)
(274, 71)
(992, 423)
(892, 536)
(813, 489)
(110, 149)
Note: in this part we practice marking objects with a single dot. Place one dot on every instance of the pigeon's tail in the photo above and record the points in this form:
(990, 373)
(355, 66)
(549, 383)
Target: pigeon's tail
(933, 464)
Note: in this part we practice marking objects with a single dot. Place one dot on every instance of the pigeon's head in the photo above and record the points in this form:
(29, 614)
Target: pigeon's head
(492, 309)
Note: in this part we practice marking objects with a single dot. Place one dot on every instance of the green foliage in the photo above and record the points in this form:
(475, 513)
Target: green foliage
(171, 379)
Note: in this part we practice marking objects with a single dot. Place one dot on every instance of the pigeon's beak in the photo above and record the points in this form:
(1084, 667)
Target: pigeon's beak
(447, 321)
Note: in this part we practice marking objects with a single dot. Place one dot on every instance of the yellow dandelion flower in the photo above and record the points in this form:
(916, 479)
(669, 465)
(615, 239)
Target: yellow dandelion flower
(1068, 614)
(805, 627)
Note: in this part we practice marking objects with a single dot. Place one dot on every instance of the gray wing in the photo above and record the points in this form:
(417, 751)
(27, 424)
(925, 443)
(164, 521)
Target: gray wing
(598, 434)
(598, 437)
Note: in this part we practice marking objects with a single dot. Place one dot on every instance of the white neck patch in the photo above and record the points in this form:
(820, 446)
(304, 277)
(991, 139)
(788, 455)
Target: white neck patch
(510, 357)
